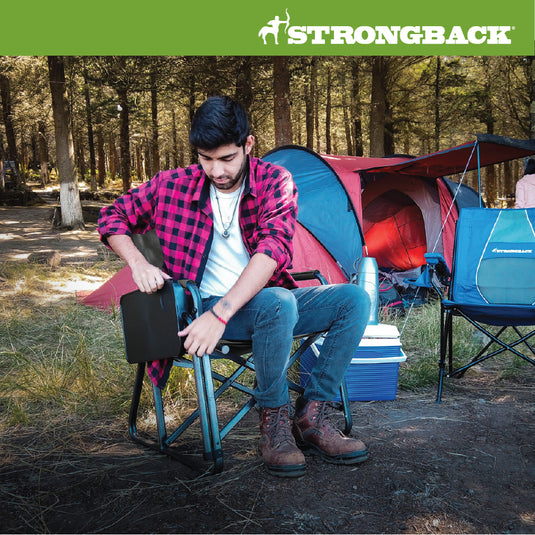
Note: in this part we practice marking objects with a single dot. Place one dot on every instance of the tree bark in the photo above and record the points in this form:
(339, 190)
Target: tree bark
(101, 158)
(437, 103)
(43, 154)
(155, 148)
(244, 84)
(7, 116)
(309, 66)
(90, 136)
(378, 108)
(281, 106)
(328, 113)
(356, 109)
(532, 97)
(71, 207)
(124, 135)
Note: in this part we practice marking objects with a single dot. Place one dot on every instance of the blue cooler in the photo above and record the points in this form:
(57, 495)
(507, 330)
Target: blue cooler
(373, 372)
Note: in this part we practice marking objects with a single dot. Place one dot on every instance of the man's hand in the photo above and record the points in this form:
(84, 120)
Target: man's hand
(149, 278)
(202, 334)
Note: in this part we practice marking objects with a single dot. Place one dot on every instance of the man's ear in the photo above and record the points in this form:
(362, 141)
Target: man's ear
(249, 144)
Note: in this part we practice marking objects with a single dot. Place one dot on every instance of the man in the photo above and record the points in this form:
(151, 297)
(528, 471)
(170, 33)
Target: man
(228, 224)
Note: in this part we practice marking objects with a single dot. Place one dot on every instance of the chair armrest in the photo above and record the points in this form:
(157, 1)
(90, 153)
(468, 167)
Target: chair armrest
(309, 275)
(434, 259)
(436, 274)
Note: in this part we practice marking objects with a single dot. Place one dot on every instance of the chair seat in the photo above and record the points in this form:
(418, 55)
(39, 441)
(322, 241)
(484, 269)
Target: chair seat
(495, 314)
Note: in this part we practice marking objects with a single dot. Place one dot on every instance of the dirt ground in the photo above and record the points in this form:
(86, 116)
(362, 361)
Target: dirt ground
(464, 466)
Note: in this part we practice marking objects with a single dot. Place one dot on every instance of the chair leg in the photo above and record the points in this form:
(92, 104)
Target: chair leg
(344, 396)
(134, 405)
(445, 333)
(208, 419)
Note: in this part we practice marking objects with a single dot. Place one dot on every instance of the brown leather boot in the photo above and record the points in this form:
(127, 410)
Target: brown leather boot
(281, 455)
(315, 433)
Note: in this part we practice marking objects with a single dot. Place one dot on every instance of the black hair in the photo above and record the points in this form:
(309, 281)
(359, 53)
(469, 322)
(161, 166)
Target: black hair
(530, 167)
(219, 121)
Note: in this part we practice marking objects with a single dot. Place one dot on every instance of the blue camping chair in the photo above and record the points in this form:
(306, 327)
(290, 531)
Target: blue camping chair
(150, 324)
(491, 285)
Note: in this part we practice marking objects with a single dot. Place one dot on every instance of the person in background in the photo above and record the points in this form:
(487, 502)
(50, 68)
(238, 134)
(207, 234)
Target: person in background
(525, 187)
(227, 223)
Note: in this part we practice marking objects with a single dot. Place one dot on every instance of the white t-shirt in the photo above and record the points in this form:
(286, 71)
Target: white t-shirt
(228, 256)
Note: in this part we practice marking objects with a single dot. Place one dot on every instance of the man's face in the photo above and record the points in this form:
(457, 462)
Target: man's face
(225, 166)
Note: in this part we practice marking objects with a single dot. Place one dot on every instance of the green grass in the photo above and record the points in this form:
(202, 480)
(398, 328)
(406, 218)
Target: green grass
(56, 357)
(420, 336)
(59, 359)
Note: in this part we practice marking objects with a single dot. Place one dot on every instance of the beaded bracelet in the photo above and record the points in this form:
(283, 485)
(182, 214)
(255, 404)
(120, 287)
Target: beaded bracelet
(218, 317)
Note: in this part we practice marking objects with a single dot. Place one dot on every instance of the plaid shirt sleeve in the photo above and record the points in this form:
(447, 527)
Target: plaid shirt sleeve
(268, 222)
(131, 213)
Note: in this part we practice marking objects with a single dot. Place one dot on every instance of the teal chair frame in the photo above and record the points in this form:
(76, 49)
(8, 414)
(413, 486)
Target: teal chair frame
(210, 385)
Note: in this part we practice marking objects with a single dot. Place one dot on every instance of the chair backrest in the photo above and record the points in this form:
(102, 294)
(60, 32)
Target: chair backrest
(494, 257)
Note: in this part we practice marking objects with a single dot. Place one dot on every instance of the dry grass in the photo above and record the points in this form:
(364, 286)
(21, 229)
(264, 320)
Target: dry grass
(59, 358)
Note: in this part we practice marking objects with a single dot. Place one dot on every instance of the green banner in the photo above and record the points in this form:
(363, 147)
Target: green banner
(176, 27)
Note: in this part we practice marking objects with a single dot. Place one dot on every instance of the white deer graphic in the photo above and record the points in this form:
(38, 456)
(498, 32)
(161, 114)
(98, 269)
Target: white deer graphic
(272, 27)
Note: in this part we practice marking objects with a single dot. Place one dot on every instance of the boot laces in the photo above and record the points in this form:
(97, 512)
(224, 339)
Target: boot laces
(320, 416)
(277, 423)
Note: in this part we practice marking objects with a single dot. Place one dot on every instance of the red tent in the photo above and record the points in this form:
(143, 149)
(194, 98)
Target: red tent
(399, 207)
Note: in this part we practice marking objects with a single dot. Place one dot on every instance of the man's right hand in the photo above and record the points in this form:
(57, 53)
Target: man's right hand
(149, 278)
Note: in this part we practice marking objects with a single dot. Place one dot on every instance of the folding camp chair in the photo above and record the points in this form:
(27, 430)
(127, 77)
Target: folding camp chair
(491, 285)
(150, 324)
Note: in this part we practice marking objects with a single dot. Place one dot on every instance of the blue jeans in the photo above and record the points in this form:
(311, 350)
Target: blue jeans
(275, 315)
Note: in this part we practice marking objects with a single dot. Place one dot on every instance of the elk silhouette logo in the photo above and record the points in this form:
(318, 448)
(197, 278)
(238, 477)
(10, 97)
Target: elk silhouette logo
(272, 27)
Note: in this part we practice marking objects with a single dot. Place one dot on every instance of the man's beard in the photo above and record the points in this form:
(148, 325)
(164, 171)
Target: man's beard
(231, 183)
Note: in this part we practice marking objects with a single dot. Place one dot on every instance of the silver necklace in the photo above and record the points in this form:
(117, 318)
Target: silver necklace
(226, 228)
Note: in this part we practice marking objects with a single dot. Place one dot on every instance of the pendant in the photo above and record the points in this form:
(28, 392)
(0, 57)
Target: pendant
(226, 233)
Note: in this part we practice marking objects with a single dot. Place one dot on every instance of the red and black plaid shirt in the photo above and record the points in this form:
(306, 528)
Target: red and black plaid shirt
(176, 204)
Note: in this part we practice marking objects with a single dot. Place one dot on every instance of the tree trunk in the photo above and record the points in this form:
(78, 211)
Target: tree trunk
(328, 113)
(7, 115)
(177, 152)
(437, 103)
(281, 106)
(113, 157)
(378, 108)
(309, 66)
(124, 141)
(101, 158)
(345, 111)
(191, 110)
(356, 109)
(90, 136)
(71, 207)
(244, 84)
(43, 154)
(389, 142)
(155, 149)
(532, 97)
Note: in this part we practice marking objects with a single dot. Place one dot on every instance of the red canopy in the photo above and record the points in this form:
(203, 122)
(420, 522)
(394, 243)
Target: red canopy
(488, 149)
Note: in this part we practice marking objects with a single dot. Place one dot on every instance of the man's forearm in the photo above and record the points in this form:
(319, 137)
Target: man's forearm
(124, 246)
(254, 277)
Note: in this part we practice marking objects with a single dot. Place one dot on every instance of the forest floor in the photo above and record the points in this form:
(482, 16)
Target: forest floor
(466, 465)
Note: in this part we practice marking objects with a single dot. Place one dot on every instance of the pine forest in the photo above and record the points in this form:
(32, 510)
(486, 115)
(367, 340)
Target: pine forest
(99, 121)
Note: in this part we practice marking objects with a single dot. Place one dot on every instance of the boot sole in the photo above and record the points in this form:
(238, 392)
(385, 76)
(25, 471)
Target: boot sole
(344, 458)
(296, 470)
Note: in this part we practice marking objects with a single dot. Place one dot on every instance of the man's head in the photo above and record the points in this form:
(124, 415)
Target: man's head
(220, 134)
(219, 121)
